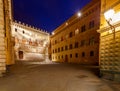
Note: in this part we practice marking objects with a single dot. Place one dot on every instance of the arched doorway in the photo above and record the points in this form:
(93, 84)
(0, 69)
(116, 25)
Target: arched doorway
(20, 54)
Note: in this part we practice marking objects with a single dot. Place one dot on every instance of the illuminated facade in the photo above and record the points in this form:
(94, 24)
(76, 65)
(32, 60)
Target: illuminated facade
(6, 57)
(30, 43)
(19, 41)
(110, 39)
(76, 40)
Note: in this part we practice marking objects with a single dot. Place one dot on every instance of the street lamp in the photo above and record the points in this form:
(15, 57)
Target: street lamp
(53, 33)
(108, 16)
(78, 14)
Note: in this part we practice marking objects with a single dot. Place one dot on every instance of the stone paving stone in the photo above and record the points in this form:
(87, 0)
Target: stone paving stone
(52, 77)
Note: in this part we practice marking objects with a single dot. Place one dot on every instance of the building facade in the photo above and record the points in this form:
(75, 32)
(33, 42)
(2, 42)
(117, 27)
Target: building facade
(29, 43)
(110, 39)
(76, 40)
(6, 57)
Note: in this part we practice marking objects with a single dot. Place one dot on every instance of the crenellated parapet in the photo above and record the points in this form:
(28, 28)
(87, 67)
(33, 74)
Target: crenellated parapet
(29, 27)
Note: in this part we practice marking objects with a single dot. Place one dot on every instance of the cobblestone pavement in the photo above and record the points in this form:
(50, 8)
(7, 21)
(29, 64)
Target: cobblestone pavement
(53, 77)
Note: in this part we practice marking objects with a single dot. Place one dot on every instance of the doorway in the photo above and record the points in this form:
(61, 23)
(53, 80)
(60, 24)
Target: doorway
(66, 58)
(20, 54)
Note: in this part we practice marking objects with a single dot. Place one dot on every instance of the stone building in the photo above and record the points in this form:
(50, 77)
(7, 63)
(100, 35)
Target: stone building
(29, 43)
(76, 40)
(6, 57)
(110, 39)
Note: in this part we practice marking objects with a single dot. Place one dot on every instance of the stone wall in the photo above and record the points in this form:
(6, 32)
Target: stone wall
(2, 40)
(110, 41)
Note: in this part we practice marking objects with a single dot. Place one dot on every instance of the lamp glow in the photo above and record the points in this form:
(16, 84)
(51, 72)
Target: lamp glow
(78, 14)
(53, 33)
(66, 23)
(109, 14)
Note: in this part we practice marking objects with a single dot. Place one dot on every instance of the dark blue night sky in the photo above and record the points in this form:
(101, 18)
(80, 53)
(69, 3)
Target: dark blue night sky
(46, 14)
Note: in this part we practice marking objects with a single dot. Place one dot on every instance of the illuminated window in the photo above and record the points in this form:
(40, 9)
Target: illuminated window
(76, 31)
(66, 37)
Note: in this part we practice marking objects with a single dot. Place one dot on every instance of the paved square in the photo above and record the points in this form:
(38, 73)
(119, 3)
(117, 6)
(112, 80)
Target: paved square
(52, 77)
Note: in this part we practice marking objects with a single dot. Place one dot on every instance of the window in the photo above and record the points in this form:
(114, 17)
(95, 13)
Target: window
(76, 44)
(62, 49)
(53, 51)
(70, 34)
(76, 55)
(92, 41)
(55, 41)
(62, 56)
(58, 49)
(91, 24)
(83, 28)
(61, 38)
(76, 31)
(83, 54)
(66, 47)
(70, 55)
(23, 31)
(91, 53)
(66, 37)
(58, 57)
(70, 46)
(15, 29)
(82, 42)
